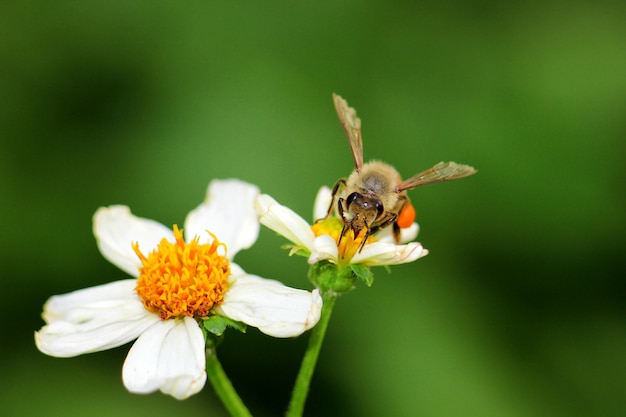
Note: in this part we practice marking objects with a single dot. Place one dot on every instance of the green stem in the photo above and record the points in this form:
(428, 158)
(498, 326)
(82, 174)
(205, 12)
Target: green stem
(223, 387)
(303, 381)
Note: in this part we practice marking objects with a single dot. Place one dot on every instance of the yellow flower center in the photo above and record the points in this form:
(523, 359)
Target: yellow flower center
(349, 244)
(182, 279)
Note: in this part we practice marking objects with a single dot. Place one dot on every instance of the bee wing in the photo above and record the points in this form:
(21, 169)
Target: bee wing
(443, 171)
(352, 125)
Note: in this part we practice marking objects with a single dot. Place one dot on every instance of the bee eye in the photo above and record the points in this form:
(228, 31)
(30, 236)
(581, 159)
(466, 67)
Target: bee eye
(379, 206)
(352, 197)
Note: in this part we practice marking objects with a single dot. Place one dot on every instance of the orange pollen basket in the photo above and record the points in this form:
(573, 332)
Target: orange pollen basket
(406, 216)
(183, 279)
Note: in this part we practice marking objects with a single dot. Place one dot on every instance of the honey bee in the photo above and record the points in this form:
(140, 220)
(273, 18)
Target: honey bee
(376, 195)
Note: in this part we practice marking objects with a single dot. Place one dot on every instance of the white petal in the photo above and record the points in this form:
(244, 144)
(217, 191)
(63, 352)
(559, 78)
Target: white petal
(79, 305)
(168, 356)
(275, 309)
(284, 221)
(227, 212)
(116, 229)
(324, 248)
(381, 253)
(93, 319)
(407, 234)
(322, 203)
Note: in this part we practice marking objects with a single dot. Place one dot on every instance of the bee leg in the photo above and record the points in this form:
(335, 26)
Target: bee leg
(343, 232)
(368, 233)
(342, 212)
(388, 219)
(340, 183)
(396, 233)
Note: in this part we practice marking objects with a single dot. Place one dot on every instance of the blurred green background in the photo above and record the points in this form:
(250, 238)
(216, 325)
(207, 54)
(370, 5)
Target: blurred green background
(519, 308)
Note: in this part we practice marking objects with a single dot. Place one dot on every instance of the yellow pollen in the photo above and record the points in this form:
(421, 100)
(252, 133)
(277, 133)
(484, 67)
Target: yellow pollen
(182, 279)
(349, 244)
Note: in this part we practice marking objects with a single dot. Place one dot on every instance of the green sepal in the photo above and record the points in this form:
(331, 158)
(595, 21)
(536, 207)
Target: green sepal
(217, 325)
(331, 278)
(297, 250)
(363, 273)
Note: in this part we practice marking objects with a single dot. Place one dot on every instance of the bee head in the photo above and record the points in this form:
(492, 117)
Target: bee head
(367, 208)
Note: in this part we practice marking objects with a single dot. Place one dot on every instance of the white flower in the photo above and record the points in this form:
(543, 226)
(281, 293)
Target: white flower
(323, 244)
(159, 310)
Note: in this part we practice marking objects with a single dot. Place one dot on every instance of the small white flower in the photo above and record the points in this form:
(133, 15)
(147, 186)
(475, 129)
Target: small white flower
(321, 244)
(160, 309)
